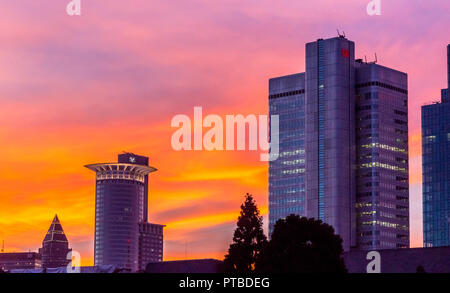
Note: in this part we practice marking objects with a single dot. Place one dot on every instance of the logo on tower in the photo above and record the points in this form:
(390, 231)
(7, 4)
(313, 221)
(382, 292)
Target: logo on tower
(345, 53)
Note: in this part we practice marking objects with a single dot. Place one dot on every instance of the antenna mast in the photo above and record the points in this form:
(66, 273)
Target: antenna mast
(339, 34)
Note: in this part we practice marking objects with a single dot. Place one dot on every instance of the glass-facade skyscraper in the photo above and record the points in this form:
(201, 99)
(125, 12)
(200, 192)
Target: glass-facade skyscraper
(330, 135)
(347, 119)
(382, 181)
(436, 169)
(287, 173)
(121, 211)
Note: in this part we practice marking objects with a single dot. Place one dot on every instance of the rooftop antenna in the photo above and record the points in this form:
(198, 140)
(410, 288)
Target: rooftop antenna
(376, 58)
(339, 34)
(365, 58)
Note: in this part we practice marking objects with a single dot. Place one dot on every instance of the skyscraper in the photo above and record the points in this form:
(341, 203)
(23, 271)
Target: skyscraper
(55, 246)
(382, 181)
(121, 206)
(436, 169)
(333, 144)
(286, 174)
(330, 134)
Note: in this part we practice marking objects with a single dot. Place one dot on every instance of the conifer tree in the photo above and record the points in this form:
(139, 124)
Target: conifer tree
(248, 239)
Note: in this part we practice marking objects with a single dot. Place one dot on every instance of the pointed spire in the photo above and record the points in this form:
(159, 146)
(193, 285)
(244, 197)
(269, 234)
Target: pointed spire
(55, 219)
(55, 232)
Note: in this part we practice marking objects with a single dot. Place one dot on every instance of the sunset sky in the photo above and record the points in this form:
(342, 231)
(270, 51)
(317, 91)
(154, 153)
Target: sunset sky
(79, 90)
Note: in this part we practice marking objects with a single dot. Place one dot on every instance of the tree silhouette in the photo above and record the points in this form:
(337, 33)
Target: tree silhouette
(300, 244)
(420, 269)
(248, 239)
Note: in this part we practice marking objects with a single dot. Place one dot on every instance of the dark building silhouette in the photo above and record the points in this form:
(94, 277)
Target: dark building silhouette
(191, 266)
(409, 260)
(150, 244)
(55, 246)
(123, 235)
(20, 260)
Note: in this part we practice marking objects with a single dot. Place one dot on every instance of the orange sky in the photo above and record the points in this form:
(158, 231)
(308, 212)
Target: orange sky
(80, 90)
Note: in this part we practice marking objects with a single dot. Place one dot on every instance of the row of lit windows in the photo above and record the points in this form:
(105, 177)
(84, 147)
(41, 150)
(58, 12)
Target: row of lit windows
(363, 204)
(432, 138)
(386, 224)
(383, 165)
(294, 162)
(384, 147)
(291, 153)
(293, 171)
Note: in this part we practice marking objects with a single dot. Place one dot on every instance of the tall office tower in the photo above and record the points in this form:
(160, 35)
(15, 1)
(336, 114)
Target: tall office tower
(382, 197)
(121, 204)
(55, 246)
(330, 135)
(150, 244)
(325, 134)
(436, 169)
(286, 174)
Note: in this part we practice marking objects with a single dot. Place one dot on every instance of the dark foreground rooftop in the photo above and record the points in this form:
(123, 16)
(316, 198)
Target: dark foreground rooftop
(408, 260)
(186, 266)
